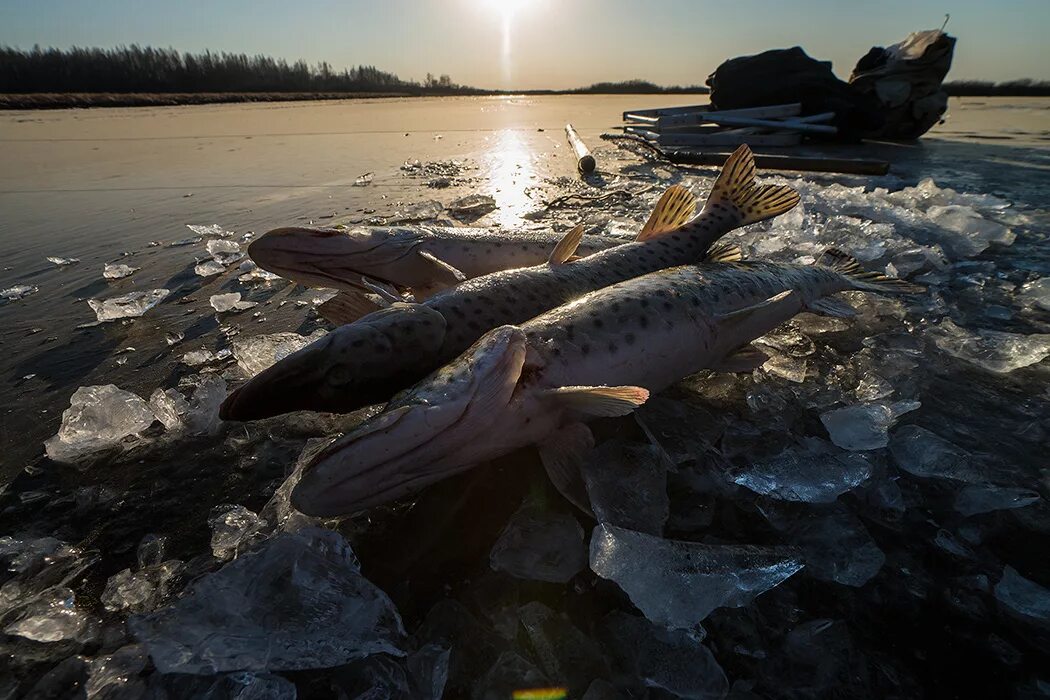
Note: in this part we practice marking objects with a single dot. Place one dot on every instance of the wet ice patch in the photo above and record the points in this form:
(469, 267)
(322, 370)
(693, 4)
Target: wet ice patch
(209, 230)
(63, 262)
(923, 453)
(258, 352)
(98, 418)
(116, 271)
(19, 291)
(812, 472)
(994, 351)
(230, 302)
(130, 305)
(678, 584)
(297, 602)
(864, 427)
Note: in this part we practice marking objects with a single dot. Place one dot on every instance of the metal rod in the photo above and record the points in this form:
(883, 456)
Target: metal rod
(584, 160)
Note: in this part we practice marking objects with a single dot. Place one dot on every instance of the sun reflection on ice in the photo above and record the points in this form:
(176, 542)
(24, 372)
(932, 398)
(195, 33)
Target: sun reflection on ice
(511, 166)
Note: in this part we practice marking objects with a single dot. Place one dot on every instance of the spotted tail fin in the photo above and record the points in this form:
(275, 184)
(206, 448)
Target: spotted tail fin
(736, 193)
(846, 265)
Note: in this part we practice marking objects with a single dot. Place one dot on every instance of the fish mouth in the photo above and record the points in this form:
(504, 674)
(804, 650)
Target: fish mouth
(333, 255)
(430, 432)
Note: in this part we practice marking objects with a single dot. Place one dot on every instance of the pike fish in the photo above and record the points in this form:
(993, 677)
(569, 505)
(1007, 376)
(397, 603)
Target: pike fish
(368, 361)
(601, 355)
(422, 259)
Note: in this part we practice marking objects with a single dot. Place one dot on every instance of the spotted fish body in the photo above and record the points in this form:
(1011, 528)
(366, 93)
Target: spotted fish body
(600, 355)
(424, 258)
(330, 374)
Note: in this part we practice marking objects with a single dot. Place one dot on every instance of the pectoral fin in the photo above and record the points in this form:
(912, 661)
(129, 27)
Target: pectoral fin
(563, 252)
(746, 359)
(347, 307)
(562, 454)
(384, 291)
(442, 271)
(599, 401)
(758, 319)
(676, 207)
(724, 253)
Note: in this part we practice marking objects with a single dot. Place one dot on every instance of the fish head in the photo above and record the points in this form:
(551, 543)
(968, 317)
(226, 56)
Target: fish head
(336, 257)
(357, 365)
(448, 422)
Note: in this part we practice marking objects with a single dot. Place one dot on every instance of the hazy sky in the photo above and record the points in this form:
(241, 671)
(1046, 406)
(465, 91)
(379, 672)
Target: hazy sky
(545, 43)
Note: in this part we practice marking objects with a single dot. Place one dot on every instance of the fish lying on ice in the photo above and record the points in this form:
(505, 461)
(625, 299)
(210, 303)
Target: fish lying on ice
(600, 355)
(422, 259)
(368, 361)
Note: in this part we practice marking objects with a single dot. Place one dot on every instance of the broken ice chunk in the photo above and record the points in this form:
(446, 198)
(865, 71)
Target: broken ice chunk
(114, 271)
(977, 499)
(472, 206)
(864, 427)
(678, 584)
(52, 617)
(363, 180)
(230, 302)
(169, 406)
(672, 660)
(1025, 598)
(812, 472)
(564, 653)
(185, 241)
(196, 358)
(421, 211)
(252, 273)
(139, 591)
(627, 485)
(63, 262)
(227, 686)
(209, 230)
(128, 305)
(115, 675)
(98, 417)
(224, 252)
(297, 602)
(540, 546)
(1036, 293)
(835, 547)
(923, 453)
(973, 233)
(19, 291)
(203, 413)
(208, 268)
(258, 352)
(995, 351)
(234, 528)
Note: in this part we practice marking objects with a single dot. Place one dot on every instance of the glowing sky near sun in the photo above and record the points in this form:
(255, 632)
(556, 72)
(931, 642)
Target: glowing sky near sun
(544, 43)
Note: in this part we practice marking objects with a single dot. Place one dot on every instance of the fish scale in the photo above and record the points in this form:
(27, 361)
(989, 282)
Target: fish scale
(323, 377)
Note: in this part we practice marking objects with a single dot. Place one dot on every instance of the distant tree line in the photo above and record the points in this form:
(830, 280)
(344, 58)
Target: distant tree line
(1012, 88)
(136, 69)
(639, 87)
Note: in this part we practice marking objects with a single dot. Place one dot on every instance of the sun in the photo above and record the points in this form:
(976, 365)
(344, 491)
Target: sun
(506, 8)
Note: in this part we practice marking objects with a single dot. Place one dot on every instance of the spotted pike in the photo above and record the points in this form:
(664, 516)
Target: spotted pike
(600, 355)
(368, 361)
(422, 259)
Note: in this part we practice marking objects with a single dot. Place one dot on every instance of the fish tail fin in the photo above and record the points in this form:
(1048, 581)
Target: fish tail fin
(735, 193)
(846, 265)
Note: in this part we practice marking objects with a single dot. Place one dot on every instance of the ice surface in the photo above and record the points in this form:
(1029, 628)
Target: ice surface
(63, 262)
(258, 352)
(678, 584)
(234, 529)
(1025, 598)
(224, 252)
(977, 499)
(139, 591)
(116, 271)
(995, 351)
(923, 453)
(1036, 293)
(297, 602)
(52, 617)
(673, 660)
(19, 291)
(230, 302)
(98, 417)
(812, 472)
(540, 545)
(627, 485)
(129, 305)
(866, 426)
(208, 268)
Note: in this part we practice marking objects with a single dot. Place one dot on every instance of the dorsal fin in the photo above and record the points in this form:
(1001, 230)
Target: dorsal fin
(442, 271)
(676, 207)
(724, 253)
(845, 264)
(566, 246)
(736, 195)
